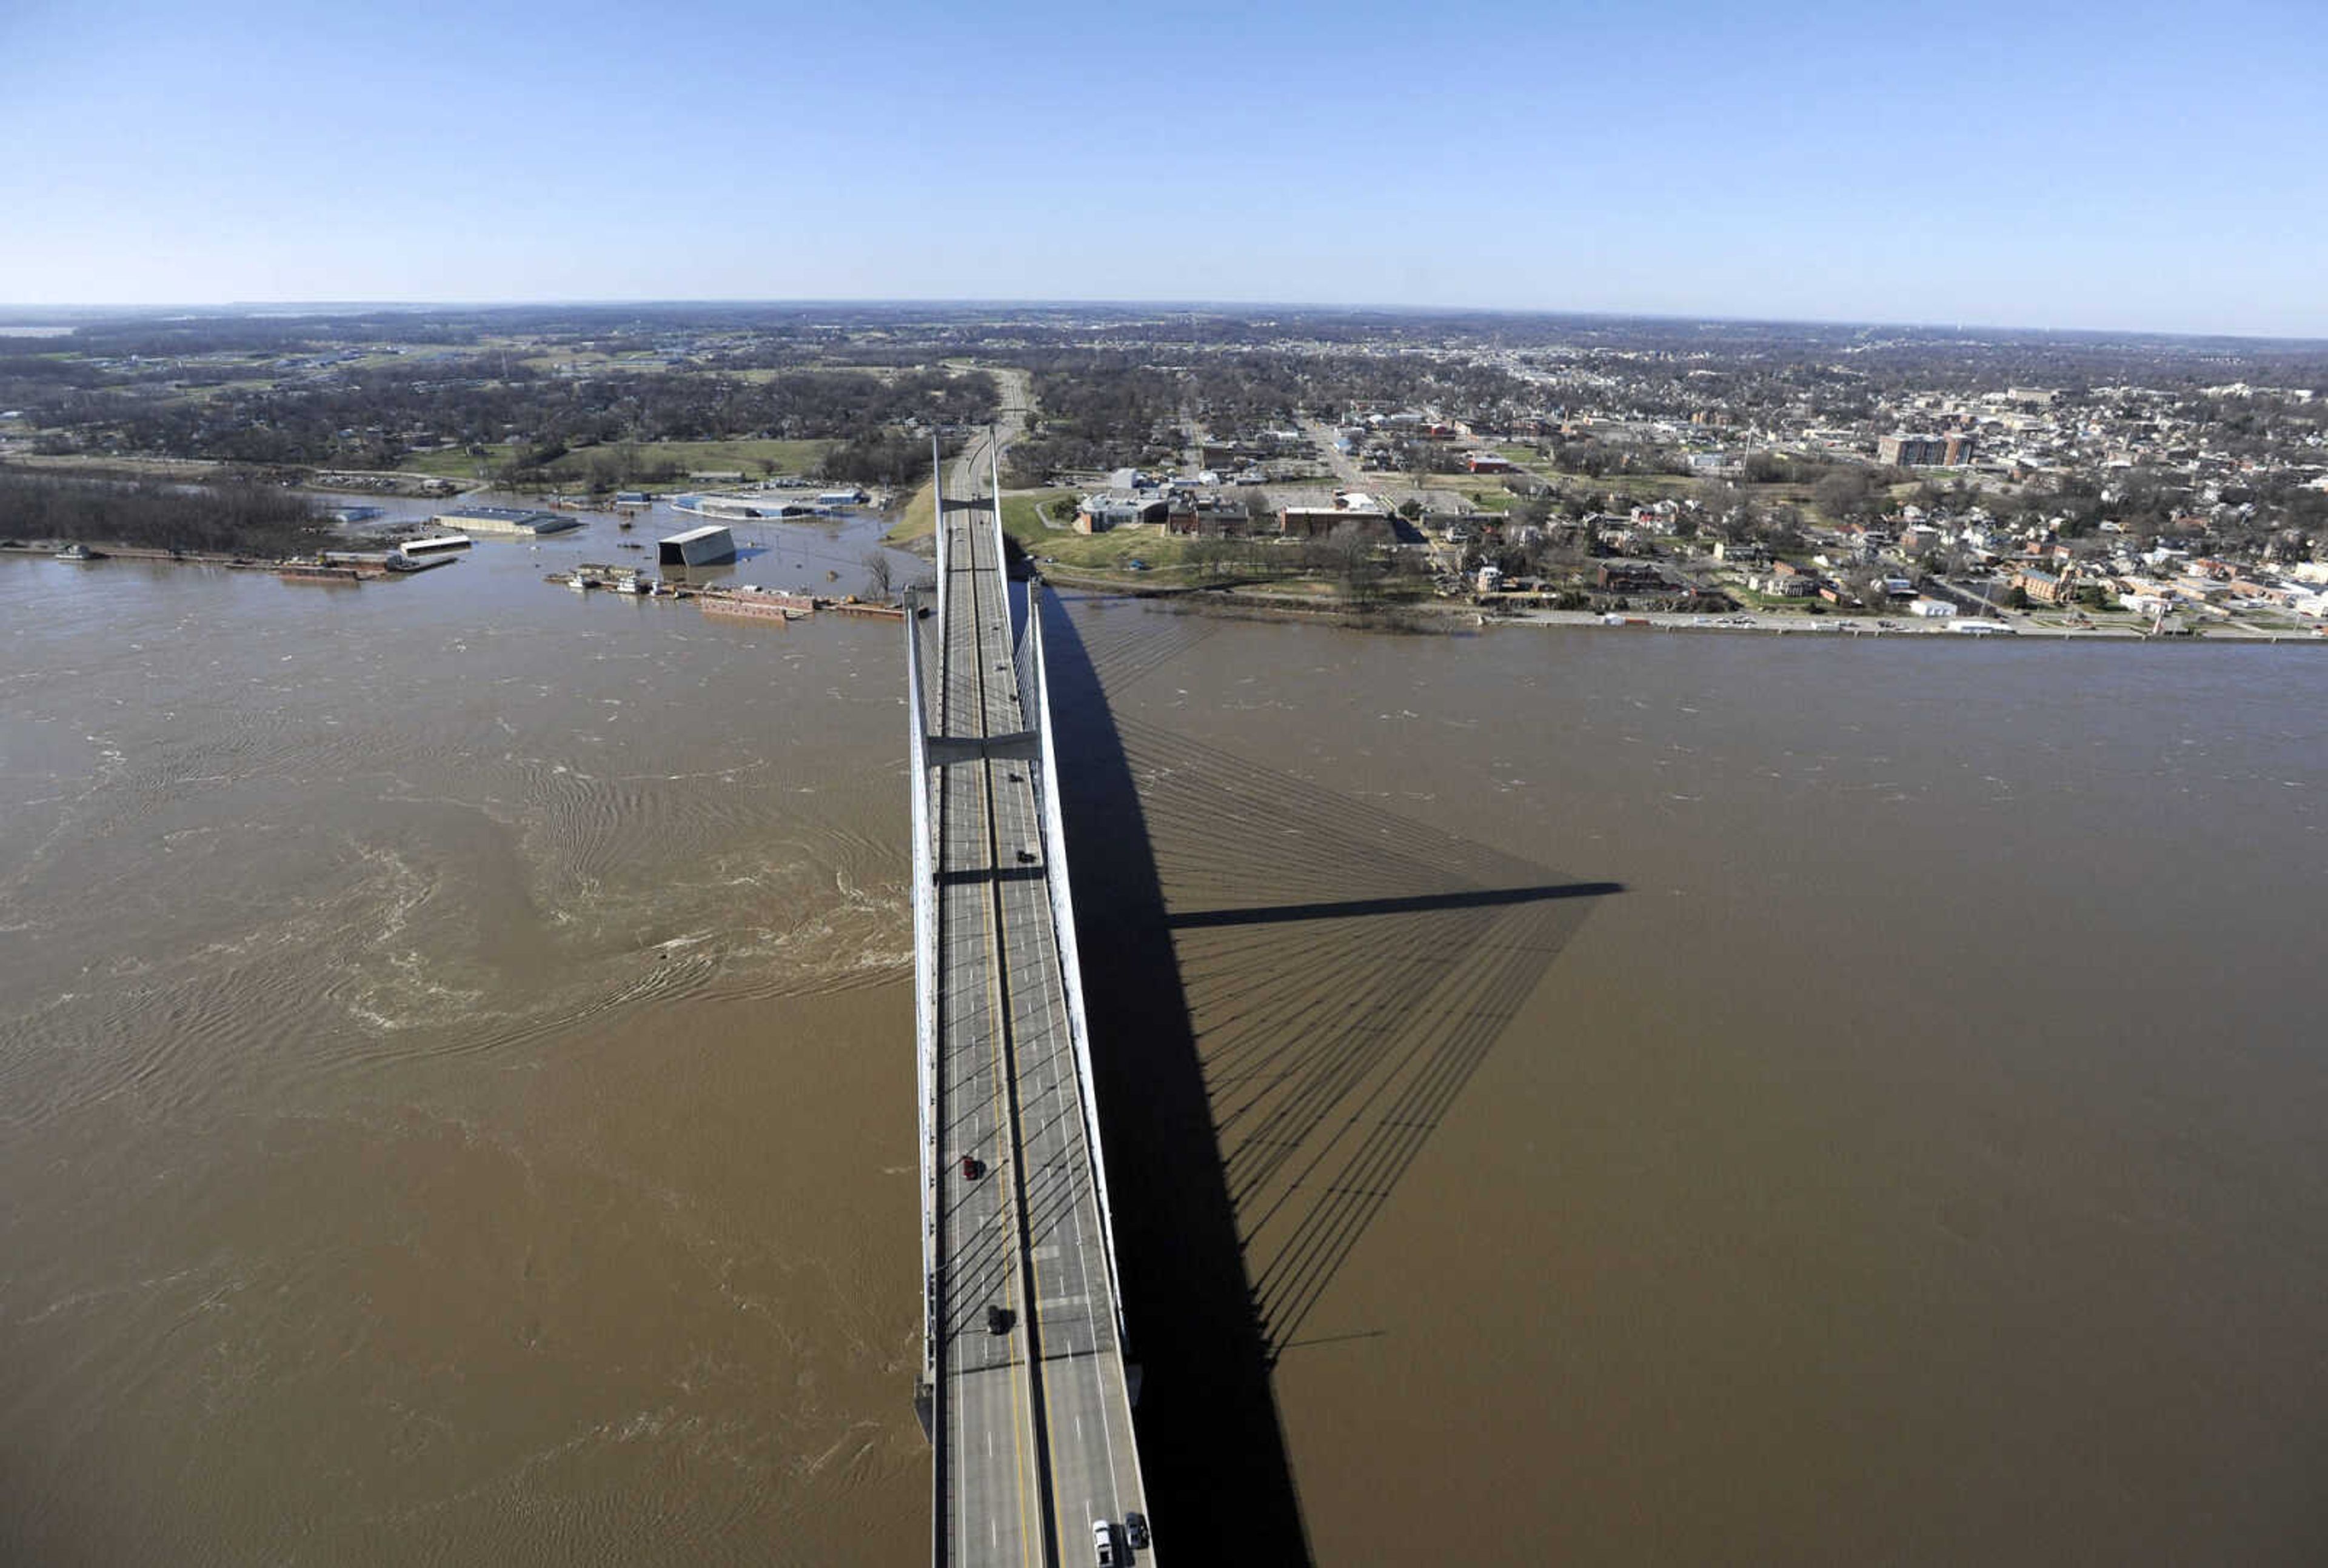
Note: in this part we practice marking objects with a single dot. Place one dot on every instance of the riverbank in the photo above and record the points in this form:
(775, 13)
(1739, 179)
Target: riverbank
(1852, 628)
(1447, 616)
(1236, 604)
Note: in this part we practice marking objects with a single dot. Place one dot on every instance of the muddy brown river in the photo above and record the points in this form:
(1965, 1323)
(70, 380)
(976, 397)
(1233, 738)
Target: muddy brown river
(1613, 1097)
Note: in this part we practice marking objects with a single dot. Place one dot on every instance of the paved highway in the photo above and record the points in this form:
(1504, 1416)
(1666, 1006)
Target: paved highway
(1033, 1423)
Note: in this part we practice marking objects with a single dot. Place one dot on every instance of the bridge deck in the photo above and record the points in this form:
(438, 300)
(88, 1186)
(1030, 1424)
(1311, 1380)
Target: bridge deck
(1034, 1438)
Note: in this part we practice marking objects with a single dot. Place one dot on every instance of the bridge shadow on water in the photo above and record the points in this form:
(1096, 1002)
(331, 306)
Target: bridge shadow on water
(1287, 987)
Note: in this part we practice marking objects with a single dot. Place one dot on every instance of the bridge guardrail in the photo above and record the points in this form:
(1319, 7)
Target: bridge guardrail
(926, 1072)
(1063, 917)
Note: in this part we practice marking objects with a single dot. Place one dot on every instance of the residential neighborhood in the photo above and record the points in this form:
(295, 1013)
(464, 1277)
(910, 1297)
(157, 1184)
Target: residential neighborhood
(1622, 481)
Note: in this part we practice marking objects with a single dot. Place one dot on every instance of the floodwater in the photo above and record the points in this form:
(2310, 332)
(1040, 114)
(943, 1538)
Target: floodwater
(1663, 1097)
(451, 1104)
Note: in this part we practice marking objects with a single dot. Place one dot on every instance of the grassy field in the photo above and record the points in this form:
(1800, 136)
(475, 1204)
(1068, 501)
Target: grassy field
(1635, 487)
(556, 359)
(921, 508)
(743, 457)
(1022, 518)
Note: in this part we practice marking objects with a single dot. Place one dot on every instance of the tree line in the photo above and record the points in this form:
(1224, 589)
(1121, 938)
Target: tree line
(370, 417)
(232, 519)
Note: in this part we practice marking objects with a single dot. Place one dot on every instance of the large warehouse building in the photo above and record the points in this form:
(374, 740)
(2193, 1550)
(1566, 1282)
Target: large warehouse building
(505, 520)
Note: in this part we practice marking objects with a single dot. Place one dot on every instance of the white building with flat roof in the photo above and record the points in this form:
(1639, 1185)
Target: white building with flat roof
(505, 520)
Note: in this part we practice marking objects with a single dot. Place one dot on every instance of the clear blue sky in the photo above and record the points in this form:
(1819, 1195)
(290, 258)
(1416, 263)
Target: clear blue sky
(2119, 165)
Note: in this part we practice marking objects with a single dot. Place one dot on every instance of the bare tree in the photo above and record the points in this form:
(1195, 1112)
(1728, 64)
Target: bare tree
(1350, 555)
(876, 573)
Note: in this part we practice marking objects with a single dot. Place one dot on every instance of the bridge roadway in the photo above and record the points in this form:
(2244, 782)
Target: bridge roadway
(1031, 1426)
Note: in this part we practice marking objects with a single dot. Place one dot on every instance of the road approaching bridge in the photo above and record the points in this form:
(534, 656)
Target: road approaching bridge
(1024, 1386)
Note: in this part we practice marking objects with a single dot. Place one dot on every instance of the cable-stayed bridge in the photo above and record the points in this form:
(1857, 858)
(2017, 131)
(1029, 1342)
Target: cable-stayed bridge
(1024, 1386)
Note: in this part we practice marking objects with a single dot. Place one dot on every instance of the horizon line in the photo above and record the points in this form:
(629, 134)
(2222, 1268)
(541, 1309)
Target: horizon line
(11, 312)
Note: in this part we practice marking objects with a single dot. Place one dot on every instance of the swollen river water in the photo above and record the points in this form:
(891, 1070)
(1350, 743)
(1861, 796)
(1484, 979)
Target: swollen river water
(1653, 1097)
